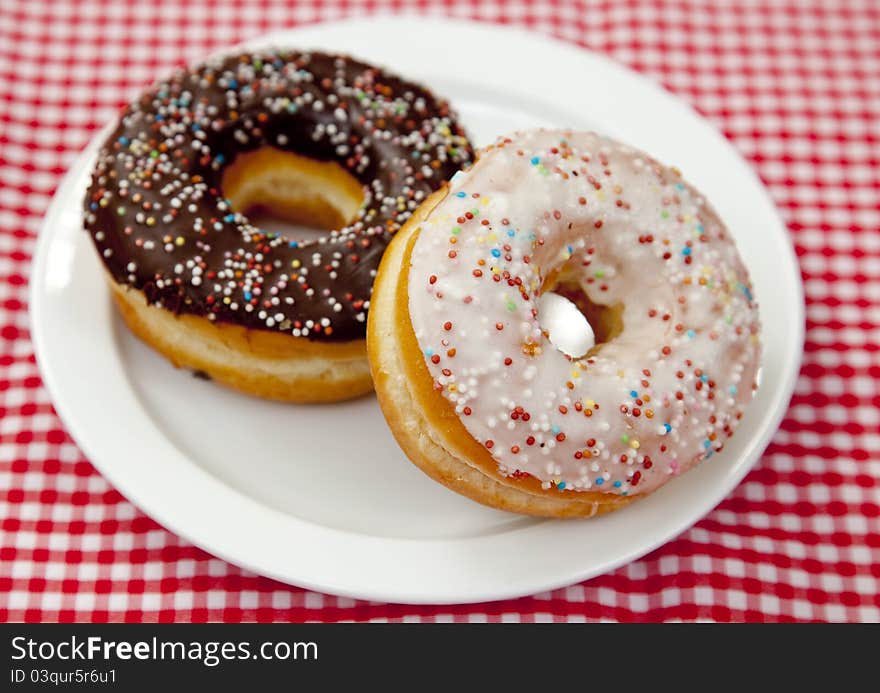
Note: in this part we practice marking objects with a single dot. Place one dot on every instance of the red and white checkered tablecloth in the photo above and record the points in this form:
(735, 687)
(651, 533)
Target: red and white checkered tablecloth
(795, 86)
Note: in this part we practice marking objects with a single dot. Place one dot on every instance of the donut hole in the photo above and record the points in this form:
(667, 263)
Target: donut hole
(294, 195)
(605, 321)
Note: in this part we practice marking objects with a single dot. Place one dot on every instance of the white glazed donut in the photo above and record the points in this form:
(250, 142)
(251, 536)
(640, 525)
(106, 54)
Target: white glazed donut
(468, 375)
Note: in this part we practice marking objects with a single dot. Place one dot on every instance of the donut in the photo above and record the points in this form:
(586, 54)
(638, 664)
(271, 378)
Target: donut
(476, 388)
(319, 139)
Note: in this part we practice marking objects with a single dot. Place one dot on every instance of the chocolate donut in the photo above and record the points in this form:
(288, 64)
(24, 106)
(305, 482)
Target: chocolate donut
(197, 280)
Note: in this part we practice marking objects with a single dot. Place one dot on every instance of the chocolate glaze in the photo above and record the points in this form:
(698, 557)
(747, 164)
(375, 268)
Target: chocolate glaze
(158, 217)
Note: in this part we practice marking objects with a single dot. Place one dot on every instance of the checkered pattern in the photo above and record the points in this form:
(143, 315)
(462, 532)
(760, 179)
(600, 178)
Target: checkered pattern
(796, 87)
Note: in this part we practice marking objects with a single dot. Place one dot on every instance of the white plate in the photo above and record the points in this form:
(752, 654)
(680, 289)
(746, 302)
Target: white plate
(322, 497)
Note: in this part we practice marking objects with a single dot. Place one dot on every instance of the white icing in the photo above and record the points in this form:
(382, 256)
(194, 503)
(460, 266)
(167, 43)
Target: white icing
(663, 394)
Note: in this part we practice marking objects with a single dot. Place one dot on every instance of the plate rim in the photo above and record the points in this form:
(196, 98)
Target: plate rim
(412, 595)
